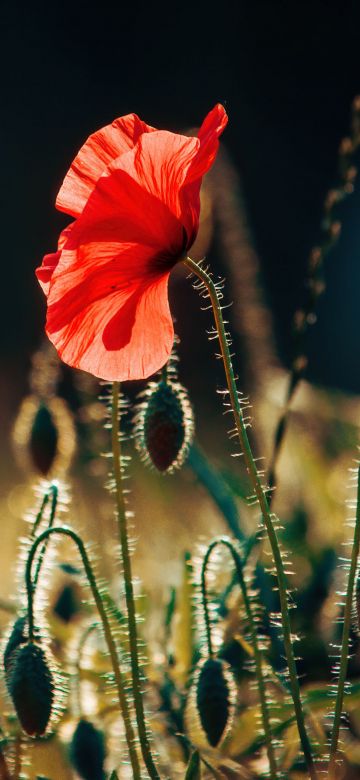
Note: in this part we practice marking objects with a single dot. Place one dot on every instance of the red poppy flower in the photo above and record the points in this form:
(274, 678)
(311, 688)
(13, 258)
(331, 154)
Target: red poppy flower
(134, 193)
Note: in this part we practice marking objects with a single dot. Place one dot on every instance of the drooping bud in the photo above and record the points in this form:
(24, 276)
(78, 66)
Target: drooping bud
(44, 435)
(43, 439)
(18, 636)
(31, 687)
(164, 425)
(215, 699)
(87, 751)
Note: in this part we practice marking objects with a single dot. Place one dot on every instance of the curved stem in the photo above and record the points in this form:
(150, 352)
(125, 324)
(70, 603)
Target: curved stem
(345, 637)
(223, 540)
(119, 678)
(129, 591)
(264, 506)
(54, 491)
(83, 639)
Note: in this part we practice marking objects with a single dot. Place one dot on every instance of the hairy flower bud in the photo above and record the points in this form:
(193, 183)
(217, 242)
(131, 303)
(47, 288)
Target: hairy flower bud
(87, 751)
(214, 699)
(164, 425)
(31, 687)
(18, 636)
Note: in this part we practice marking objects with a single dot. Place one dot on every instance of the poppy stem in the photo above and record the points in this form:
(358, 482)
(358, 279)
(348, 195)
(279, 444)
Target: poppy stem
(344, 657)
(137, 680)
(54, 492)
(260, 493)
(120, 679)
(238, 563)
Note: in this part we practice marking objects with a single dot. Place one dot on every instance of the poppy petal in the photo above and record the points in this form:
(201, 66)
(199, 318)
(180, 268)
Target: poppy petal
(93, 158)
(45, 271)
(160, 163)
(116, 334)
(208, 135)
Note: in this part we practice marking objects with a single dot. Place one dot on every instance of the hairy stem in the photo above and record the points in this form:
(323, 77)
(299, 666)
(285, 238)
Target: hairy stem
(253, 633)
(129, 592)
(54, 492)
(120, 679)
(345, 637)
(264, 506)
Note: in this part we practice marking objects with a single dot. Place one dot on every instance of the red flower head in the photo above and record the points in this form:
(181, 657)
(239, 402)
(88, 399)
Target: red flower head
(134, 193)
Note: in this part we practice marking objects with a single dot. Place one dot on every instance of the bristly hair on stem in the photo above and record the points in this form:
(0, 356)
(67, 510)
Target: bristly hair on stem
(315, 282)
(122, 517)
(210, 289)
(111, 644)
(344, 655)
(224, 541)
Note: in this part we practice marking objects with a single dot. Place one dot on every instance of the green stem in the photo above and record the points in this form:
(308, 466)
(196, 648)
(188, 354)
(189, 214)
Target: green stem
(83, 639)
(264, 506)
(119, 677)
(345, 637)
(54, 492)
(129, 591)
(223, 540)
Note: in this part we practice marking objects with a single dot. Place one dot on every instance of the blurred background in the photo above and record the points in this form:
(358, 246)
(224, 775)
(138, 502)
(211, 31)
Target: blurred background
(287, 74)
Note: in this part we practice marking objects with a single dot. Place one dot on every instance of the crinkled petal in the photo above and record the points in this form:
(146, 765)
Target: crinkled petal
(45, 271)
(93, 158)
(116, 326)
(108, 310)
(208, 135)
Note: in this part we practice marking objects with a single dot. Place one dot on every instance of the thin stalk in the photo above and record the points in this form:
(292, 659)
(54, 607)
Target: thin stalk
(18, 746)
(254, 638)
(54, 492)
(129, 591)
(83, 639)
(345, 637)
(264, 506)
(111, 645)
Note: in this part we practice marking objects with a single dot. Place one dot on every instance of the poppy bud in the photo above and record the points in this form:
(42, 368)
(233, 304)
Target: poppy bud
(31, 687)
(164, 425)
(43, 440)
(87, 751)
(17, 637)
(214, 699)
(44, 435)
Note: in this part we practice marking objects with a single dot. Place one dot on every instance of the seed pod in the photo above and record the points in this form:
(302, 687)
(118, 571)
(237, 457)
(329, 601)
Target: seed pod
(17, 637)
(164, 425)
(31, 687)
(214, 699)
(87, 751)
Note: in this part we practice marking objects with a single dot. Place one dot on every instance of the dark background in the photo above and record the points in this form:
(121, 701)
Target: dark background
(287, 73)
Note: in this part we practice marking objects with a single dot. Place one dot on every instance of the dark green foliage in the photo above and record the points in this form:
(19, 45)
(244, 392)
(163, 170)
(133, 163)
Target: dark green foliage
(17, 637)
(213, 700)
(43, 440)
(193, 771)
(31, 687)
(68, 568)
(87, 751)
